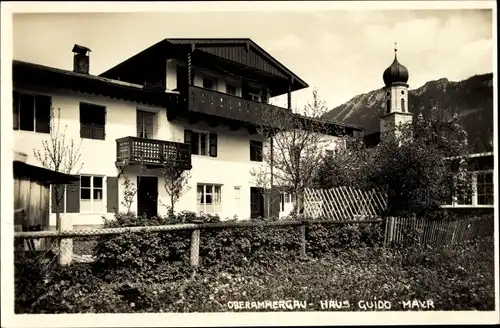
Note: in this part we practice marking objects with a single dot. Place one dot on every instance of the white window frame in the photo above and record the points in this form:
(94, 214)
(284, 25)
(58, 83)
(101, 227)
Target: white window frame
(476, 190)
(237, 195)
(213, 190)
(207, 145)
(474, 198)
(93, 202)
(154, 124)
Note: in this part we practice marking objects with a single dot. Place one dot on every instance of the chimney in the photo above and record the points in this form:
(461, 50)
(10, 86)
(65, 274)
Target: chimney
(81, 59)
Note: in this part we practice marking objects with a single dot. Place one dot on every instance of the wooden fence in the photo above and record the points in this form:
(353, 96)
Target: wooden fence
(396, 230)
(65, 248)
(344, 203)
(414, 231)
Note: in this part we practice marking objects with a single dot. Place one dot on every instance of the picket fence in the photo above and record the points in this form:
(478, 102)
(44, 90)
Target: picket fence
(416, 231)
(344, 203)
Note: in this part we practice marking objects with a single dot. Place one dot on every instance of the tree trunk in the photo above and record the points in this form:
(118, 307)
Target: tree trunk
(272, 177)
(57, 198)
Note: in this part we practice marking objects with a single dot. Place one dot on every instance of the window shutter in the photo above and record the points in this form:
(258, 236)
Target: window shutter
(187, 136)
(53, 198)
(42, 113)
(112, 194)
(275, 202)
(15, 113)
(73, 197)
(213, 144)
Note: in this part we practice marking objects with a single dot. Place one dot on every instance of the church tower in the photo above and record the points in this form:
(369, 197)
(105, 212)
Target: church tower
(396, 97)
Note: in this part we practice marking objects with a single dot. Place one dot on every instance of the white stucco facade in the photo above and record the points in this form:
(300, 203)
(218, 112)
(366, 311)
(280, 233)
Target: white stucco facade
(230, 169)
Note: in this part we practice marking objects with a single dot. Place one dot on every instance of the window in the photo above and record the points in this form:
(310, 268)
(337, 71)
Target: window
(402, 104)
(209, 198)
(209, 83)
(237, 195)
(145, 124)
(255, 151)
(31, 112)
(254, 96)
(484, 188)
(231, 89)
(388, 106)
(464, 196)
(264, 98)
(91, 194)
(202, 143)
(92, 121)
(329, 153)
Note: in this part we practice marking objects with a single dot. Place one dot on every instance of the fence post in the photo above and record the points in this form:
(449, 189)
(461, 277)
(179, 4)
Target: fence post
(303, 238)
(66, 244)
(195, 246)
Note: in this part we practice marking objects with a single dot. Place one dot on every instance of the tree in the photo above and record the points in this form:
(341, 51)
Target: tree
(296, 145)
(413, 165)
(175, 182)
(61, 154)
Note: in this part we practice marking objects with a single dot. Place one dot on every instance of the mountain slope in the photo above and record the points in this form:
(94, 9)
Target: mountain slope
(472, 98)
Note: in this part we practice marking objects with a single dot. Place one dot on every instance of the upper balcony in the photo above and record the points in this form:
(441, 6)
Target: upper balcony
(152, 153)
(210, 102)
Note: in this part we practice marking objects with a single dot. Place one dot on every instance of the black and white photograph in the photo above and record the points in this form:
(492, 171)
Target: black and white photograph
(240, 163)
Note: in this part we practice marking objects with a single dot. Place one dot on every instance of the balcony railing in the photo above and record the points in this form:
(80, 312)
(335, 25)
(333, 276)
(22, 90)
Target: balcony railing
(232, 107)
(151, 152)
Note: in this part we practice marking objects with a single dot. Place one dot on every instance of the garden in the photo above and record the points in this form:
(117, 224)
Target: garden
(247, 269)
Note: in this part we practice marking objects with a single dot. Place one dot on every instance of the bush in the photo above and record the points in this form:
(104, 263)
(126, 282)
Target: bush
(149, 272)
(130, 254)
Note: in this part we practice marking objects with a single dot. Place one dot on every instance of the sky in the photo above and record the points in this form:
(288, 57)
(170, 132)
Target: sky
(341, 53)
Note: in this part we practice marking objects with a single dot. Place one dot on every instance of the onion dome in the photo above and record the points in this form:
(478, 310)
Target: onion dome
(396, 73)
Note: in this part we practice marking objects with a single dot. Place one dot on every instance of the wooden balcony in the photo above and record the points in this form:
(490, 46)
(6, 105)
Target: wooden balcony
(227, 106)
(152, 153)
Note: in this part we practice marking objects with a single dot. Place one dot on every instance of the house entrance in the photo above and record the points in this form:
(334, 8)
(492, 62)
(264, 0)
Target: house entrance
(147, 196)
(256, 202)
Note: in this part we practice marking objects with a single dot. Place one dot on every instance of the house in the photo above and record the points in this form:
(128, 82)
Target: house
(198, 101)
(480, 200)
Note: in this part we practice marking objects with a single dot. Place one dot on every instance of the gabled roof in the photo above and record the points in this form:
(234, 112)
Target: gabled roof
(203, 44)
(246, 41)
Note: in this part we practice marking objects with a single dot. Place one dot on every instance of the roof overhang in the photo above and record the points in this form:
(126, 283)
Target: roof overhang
(25, 73)
(41, 174)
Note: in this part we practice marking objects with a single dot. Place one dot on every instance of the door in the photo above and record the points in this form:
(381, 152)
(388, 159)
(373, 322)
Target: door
(256, 203)
(147, 196)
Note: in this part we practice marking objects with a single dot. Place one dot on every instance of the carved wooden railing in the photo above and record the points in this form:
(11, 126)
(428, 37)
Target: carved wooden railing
(151, 152)
(232, 107)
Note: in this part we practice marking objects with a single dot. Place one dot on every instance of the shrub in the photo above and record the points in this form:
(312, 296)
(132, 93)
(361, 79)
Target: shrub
(149, 272)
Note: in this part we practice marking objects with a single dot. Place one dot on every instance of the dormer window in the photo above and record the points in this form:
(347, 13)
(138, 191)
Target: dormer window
(209, 83)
